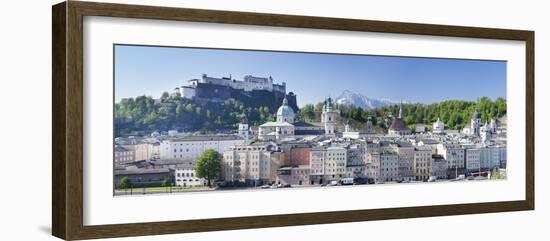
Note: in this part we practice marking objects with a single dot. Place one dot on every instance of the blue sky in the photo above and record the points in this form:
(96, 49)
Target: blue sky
(145, 70)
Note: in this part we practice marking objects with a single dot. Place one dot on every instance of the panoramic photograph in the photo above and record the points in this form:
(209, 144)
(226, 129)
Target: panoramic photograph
(202, 119)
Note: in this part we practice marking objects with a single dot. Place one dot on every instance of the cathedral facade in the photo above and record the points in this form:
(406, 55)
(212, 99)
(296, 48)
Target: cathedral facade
(287, 126)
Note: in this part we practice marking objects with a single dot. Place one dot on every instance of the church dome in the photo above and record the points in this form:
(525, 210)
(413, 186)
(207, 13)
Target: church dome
(285, 110)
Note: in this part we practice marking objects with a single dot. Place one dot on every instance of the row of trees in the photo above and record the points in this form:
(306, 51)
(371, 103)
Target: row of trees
(126, 183)
(456, 114)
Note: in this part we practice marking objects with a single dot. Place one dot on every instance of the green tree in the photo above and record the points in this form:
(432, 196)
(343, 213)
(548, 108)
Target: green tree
(208, 165)
(498, 174)
(180, 111)
(190, 108)
(124, 183)
(150, 119)
(308, 113)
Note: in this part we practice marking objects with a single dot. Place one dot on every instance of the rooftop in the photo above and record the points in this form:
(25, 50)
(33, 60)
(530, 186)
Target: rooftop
(143, 171)
(172, 162)
(437, 157)
(275, 124)
(335, 148)
(206, 138)
(308, 132)
(404, 144)
(429, 141)
(307, 124)
(398, 124)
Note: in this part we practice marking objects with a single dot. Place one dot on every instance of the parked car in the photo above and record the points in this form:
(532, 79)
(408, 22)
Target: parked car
(265, 186)
(360, 180)
(347, 181)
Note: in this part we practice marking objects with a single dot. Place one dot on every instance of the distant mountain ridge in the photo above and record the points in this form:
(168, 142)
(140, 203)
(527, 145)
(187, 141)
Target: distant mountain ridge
(358, 100)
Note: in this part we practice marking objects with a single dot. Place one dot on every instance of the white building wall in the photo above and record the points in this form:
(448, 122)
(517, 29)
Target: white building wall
(187, 178)
(190, 150)
(187, 92)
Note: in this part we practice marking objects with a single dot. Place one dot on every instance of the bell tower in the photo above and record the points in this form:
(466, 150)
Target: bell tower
(327, 117)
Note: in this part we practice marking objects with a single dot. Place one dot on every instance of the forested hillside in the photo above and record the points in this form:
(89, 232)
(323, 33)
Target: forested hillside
(142, 115)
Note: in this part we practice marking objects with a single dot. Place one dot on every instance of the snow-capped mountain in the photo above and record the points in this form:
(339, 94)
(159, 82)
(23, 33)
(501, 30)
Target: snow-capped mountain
(349, 98)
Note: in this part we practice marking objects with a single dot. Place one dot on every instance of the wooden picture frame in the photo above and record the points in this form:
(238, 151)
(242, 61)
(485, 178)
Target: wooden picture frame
(67, 124)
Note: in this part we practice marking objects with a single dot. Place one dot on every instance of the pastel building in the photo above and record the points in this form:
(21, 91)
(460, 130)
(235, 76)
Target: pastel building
(422, 163)
(123, 155)
(294, 175)
(335, 162)
(248, 164)
(355, 163)
(438, 167)
(317, 157)
(389, 167)
(455, 156)
(327, 164)
(372, 166)
(295, 154)
(473, 159)
(405, 153)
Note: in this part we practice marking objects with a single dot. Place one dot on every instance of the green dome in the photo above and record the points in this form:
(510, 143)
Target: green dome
(285, 110)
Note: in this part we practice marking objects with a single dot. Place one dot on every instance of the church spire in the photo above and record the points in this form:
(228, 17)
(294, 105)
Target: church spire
(400, 110)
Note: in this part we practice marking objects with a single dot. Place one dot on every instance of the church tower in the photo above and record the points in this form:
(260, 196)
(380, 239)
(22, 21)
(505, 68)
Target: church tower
(244, 130)
(327, 117)
(475, 124)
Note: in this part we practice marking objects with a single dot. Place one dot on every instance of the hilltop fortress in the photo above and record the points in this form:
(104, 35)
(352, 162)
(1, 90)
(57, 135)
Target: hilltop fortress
(259, 90)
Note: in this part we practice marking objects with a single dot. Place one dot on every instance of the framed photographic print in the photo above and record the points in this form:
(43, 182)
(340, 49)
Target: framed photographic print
(170, 120)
